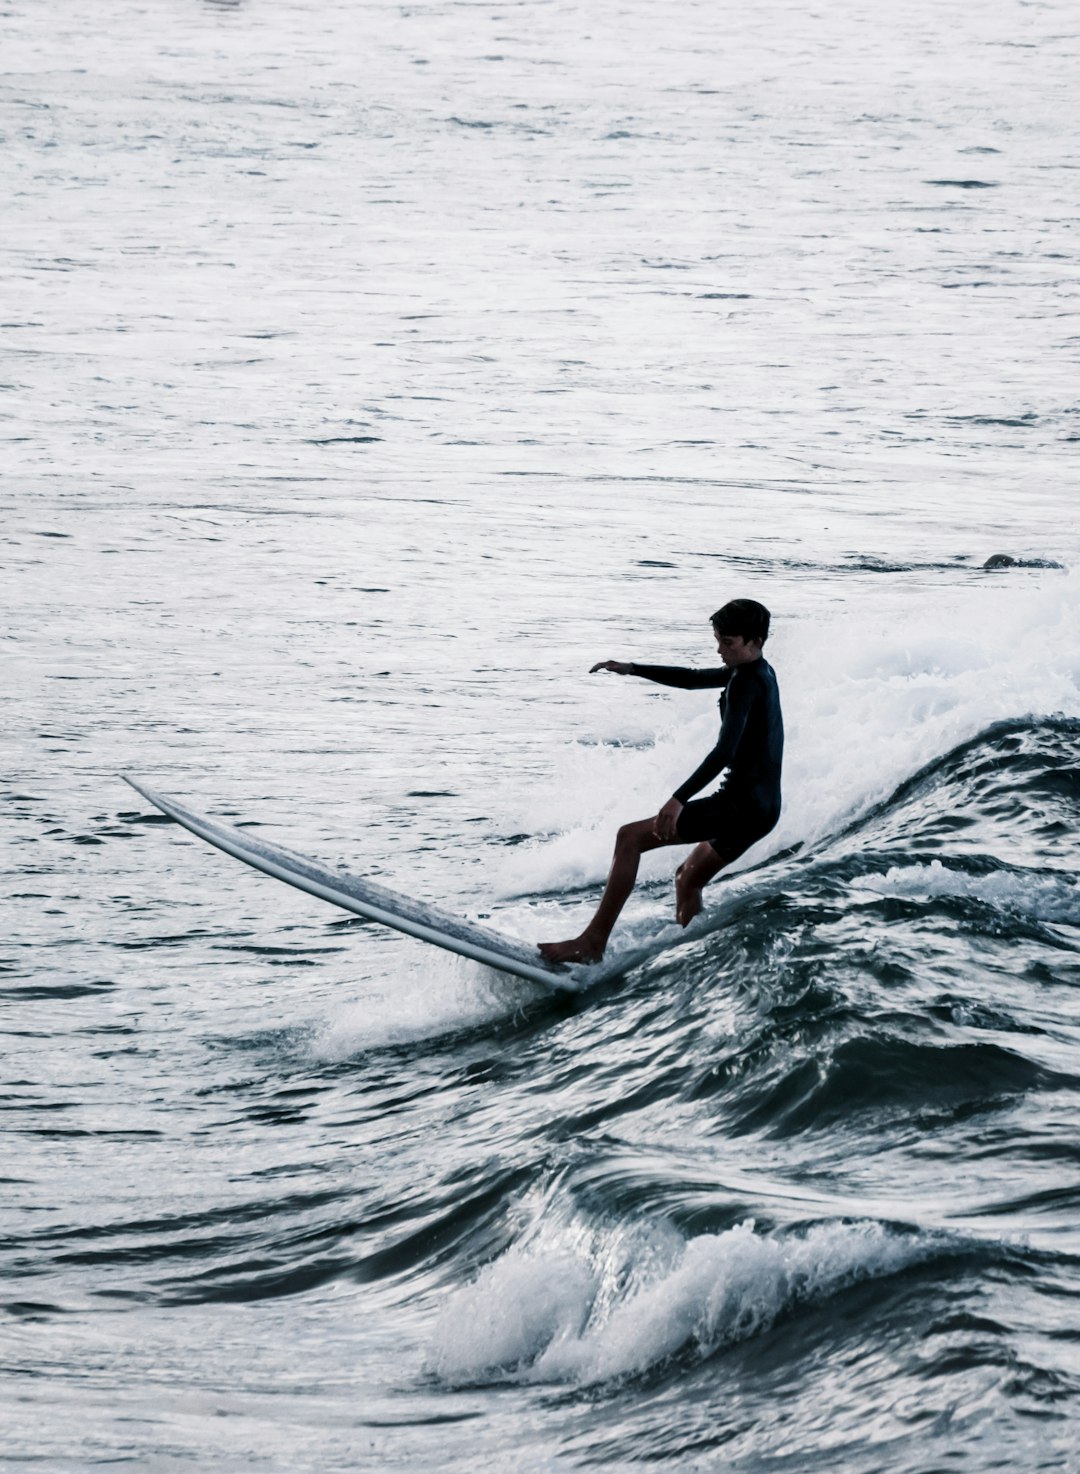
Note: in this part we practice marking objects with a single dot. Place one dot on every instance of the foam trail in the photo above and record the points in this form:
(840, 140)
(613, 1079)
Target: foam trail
(427, 1000)
(541, 1317)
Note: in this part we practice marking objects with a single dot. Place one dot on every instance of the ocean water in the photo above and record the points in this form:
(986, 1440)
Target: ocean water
(369, 371)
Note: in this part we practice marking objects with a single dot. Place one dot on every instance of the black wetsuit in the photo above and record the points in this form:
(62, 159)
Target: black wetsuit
(750, 746)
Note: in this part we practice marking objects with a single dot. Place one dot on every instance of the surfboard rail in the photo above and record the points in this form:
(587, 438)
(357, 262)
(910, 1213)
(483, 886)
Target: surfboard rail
(366, 898)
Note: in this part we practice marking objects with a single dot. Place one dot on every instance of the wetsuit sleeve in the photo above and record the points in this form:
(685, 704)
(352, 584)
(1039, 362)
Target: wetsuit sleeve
(680, 676)
(740, 701)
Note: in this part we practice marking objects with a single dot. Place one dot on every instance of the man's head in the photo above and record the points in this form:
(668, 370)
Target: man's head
(741, 628)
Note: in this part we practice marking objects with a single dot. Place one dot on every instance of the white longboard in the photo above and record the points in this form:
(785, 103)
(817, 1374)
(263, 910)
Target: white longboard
(375, 902)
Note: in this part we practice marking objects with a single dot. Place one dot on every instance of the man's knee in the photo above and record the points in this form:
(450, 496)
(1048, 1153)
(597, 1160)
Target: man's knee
(628, 839)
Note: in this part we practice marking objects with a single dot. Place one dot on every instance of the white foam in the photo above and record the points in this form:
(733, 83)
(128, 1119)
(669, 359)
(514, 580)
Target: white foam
(1047, 897)
(548, 1315)
(870, 696)
(511, 1316)
(434, 995)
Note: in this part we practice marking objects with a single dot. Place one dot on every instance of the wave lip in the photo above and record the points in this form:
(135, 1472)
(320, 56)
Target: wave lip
(1044, 896)
(547, 1316)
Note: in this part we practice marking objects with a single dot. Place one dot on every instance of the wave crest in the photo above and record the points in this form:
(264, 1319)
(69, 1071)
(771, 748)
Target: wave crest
(541, 1315)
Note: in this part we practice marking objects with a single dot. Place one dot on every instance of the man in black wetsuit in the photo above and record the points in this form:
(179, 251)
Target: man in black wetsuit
(742, 811)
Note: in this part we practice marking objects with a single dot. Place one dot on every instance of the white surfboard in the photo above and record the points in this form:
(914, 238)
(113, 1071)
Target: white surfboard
(376, 902)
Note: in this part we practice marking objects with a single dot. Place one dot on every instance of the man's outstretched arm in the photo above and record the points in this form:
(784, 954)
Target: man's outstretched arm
(668, 675)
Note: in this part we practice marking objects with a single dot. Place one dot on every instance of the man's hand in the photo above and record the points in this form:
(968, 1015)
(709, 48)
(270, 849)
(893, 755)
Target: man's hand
(666, 820)
(618, 667)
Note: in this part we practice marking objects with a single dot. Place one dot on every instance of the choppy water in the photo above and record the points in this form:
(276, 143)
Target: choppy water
(369, 371)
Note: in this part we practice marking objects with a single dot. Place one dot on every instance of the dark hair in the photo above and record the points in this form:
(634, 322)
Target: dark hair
(745, 617)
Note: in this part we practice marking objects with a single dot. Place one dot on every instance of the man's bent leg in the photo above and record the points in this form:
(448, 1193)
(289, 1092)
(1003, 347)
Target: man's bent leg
(696, 871)
(630, 844)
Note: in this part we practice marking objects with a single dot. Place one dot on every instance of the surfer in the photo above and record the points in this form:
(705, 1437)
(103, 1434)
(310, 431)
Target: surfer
(726, 823)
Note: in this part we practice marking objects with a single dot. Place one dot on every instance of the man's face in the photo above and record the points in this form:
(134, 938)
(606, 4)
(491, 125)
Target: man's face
(735, 650)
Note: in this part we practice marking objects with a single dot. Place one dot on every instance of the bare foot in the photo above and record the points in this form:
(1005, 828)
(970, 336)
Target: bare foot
(687, 906)
(579, 949)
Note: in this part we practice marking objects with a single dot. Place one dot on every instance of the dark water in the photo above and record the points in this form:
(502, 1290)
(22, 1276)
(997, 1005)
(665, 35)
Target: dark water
(370, 372)
(803, 1189)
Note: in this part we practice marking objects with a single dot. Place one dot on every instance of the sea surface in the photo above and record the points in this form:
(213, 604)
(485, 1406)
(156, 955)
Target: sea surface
(367, 372)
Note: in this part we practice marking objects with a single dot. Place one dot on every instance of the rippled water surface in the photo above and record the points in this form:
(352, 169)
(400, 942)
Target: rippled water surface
(369, 371)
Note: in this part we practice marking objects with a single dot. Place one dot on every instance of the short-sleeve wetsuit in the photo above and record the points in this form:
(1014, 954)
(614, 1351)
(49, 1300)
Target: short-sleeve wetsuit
(750, 747)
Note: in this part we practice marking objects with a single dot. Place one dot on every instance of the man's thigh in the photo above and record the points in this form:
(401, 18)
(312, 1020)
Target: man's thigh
(639, 832)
